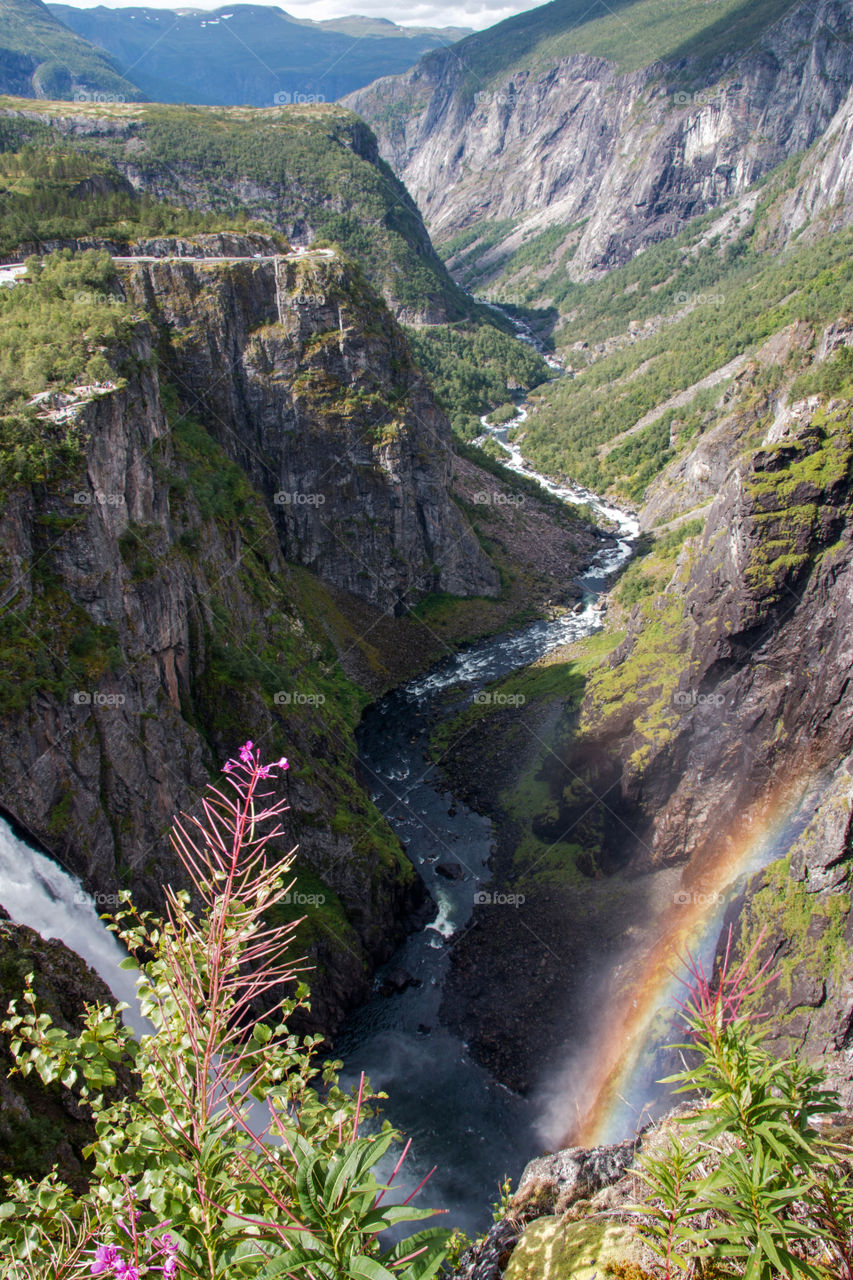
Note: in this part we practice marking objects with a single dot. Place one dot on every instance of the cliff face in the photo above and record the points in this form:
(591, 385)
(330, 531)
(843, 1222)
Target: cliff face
(729, 693)
(821, 200)
(632, 156)
(43, 1125)
(152, 622)
(797, 915)
(305, 381)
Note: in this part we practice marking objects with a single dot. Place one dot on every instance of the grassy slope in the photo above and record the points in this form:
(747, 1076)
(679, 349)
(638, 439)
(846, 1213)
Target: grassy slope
(630, 33)
(707, 308)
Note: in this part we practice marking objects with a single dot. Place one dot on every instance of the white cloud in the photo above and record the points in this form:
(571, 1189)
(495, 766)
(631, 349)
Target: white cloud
(423, 13)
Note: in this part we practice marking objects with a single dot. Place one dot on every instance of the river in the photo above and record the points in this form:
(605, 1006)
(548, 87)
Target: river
(474, 1130)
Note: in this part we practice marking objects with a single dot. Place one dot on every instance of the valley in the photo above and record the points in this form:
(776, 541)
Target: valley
(481, 443)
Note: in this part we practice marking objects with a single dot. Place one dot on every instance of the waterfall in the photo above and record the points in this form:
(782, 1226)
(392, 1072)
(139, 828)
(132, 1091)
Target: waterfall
(36, 891)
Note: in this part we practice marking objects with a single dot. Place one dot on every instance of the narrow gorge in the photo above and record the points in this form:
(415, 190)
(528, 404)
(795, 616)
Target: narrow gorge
(469, 462)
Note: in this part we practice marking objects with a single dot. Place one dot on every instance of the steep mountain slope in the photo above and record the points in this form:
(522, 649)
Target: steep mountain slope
(311, 172)
(256, 55)
(616, 126)
(150, 620)
(642, 763)
(41, 58)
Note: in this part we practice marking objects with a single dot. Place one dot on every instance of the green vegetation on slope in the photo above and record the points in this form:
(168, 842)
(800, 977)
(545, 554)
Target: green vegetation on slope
(751, 302)
(311, 170)
(48, 194)
(629, 33)
(39, 55)
(643, 682)
(59, 329)
(789, 489)
(473, 370)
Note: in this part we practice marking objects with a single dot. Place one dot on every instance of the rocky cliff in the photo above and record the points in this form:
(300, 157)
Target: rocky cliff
(724, 692)
(43, 1125)
(151, 618)
(618, 158)
(306, 382)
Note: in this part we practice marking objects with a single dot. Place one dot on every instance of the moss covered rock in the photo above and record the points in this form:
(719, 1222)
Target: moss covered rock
(554, 1249)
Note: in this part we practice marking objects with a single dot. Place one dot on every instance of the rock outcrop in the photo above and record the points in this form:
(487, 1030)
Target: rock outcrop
(43, 1125)
(797, 914)
(556, 1216)
(305, 380)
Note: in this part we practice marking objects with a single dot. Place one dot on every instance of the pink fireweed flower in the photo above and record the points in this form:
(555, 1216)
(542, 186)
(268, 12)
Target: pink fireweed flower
(125, 1271)
(106, 1256)
(250, 761)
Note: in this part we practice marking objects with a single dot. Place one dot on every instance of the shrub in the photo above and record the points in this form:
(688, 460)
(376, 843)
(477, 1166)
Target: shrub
(183, 1183)
(757, 1189)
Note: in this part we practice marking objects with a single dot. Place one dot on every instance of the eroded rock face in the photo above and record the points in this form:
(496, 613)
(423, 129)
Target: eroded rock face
(802, 905)
(159, 619)
(305, 380)
(579, 141)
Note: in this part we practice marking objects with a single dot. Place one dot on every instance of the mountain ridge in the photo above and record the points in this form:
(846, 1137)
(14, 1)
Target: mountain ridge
(248, 55)
(625, 157)
(42, 58)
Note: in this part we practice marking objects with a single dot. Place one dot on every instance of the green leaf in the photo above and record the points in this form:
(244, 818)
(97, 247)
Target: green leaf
(369, 1268)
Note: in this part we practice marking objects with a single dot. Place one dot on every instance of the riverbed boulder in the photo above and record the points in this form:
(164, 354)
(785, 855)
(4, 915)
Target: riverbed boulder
(450, 870)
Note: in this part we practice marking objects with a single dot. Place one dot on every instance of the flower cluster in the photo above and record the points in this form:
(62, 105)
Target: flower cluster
(162, 1259)
(250, 763)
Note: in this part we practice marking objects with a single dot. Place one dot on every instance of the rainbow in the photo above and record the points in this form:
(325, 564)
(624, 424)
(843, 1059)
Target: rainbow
(595, 1089)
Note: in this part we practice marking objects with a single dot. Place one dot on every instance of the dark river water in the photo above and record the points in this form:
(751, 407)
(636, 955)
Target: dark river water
(471, 1128)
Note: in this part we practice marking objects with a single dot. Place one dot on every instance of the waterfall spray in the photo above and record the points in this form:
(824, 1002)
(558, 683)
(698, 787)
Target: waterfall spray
(600, 1096)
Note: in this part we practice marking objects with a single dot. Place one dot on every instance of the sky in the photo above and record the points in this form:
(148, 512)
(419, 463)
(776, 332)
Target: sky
(476, 14)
